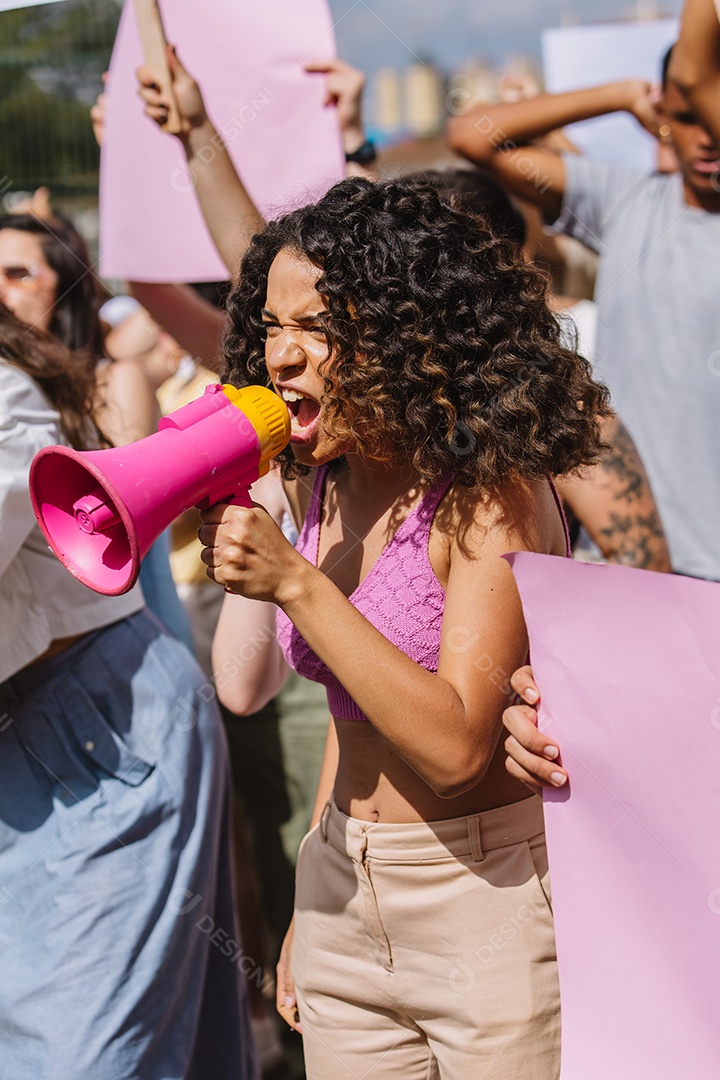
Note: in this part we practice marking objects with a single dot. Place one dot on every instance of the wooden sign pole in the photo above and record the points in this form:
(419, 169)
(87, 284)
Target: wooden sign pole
(154, 43)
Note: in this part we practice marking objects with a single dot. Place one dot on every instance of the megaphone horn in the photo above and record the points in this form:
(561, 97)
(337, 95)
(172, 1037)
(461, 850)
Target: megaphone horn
(101, 510)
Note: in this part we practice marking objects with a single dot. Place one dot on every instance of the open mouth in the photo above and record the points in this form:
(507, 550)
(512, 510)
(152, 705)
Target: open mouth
(304, 414)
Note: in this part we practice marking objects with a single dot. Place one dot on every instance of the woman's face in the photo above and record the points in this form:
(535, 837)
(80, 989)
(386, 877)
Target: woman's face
(295, 348)
(28, 286)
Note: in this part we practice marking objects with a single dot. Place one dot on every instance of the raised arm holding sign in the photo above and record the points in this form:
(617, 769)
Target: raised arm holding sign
(222, 196)
(152, 35)
(268, 115)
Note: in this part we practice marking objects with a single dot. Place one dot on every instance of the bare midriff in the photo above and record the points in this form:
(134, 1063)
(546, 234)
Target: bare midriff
(374, 784)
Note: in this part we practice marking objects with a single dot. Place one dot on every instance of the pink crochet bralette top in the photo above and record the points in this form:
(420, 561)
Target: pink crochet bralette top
(400, 596)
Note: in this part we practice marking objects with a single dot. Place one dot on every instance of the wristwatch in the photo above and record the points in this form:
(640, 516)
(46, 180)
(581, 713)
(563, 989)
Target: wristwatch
(364, 155)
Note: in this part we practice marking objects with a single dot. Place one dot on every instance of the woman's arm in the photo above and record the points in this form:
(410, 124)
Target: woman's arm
(497, 137)
(194, 323)
(138, 337)
(248, 665)
(614, 503)
(230, 214)
(695, 62)
(414, 709)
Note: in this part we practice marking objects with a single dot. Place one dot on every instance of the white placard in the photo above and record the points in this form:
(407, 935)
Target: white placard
(575, 57)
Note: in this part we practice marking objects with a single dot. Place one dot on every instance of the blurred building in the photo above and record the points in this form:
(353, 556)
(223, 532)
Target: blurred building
(386, 103)
(521, 78)
(471, 83)
(406, 102)
(424, 108)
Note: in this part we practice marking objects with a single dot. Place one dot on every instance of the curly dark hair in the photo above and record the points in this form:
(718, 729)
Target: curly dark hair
(481, 194)
(445, 355)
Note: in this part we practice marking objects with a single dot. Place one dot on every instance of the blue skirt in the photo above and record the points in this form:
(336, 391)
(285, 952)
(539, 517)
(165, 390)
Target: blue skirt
(119, 952)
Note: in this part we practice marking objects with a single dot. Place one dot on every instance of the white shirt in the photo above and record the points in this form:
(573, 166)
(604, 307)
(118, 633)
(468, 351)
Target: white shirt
(39, 599)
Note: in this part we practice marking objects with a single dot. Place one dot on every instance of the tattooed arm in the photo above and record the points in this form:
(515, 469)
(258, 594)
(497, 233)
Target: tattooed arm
(613, 502)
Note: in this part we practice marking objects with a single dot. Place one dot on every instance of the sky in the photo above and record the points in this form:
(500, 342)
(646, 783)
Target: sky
(394, 33)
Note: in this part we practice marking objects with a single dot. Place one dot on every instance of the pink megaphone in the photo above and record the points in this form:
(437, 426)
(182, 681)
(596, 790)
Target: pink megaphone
(100, 510)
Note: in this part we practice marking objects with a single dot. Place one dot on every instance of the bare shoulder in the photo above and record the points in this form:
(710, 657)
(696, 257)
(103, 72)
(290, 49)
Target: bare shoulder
(518, 515)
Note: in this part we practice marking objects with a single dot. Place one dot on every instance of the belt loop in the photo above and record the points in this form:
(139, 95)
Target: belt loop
(474, 838)
(323, 820)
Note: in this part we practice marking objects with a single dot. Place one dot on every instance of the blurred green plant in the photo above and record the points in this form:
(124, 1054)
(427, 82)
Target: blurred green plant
(52, 57)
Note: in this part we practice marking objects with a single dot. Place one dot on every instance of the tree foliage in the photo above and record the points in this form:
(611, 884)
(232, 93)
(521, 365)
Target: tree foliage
(51, 61)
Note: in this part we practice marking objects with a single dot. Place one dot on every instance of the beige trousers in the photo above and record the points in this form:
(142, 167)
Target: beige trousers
(426, 951)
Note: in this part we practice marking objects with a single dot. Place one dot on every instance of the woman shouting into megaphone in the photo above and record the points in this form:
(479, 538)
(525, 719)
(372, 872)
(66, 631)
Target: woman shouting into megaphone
(431, 398)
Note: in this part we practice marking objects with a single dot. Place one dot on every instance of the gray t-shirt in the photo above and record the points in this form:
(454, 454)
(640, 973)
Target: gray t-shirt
(658, 345)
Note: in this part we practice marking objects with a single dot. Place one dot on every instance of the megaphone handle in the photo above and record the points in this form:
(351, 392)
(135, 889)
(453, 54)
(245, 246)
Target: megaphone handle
(241, 499)
(238, 498)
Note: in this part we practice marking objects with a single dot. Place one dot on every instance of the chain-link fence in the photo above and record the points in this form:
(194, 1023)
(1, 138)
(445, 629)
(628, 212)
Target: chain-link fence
(52, 57)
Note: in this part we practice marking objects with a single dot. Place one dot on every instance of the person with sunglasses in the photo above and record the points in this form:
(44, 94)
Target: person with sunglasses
(47, 281)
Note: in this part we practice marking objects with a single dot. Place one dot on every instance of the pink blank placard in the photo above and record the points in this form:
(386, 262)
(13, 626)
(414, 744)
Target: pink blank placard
(628, 664)
(248, 60)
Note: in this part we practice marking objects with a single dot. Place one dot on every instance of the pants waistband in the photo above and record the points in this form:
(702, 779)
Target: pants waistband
(430, 840)
(35, 675)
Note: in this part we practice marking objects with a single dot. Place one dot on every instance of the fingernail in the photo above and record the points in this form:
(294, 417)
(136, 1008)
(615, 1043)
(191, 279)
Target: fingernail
(551, 752)
(289, 1002)
(531, 695)
(558, 778)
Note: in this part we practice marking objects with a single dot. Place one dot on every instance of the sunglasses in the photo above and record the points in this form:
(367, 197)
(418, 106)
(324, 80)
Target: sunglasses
(20, 275)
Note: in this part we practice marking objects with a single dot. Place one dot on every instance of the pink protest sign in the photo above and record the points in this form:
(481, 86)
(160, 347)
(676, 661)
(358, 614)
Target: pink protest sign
(628, 663)
(248, 59)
